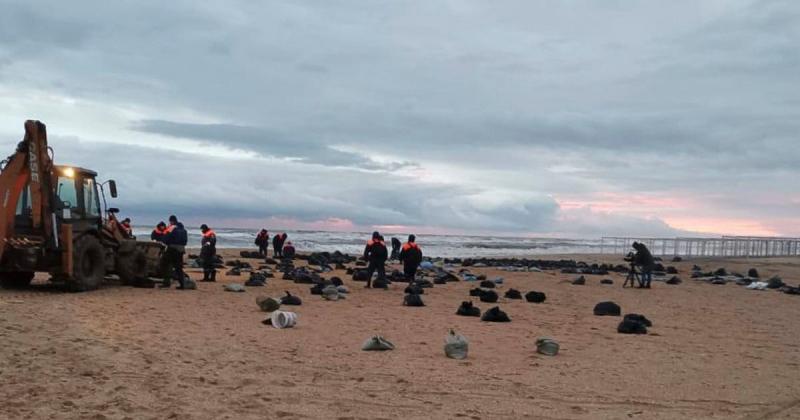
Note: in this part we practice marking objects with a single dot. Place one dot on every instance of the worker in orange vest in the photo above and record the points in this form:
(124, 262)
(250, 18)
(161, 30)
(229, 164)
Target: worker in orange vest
(411, 257)
(159, 232)
(208, 253)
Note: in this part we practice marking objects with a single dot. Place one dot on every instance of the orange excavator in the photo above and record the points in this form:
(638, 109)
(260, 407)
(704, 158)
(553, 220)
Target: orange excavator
(51, 221)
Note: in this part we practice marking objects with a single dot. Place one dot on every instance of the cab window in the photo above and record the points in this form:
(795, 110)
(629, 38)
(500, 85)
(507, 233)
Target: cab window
(68, 194)
(91, 201)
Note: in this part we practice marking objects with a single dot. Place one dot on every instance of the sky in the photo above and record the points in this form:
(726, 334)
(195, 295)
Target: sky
(525, 118)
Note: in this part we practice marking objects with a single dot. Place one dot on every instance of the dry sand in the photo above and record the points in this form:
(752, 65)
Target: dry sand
(120, 352)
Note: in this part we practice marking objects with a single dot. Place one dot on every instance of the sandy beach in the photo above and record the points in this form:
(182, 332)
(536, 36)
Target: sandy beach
(715, 351)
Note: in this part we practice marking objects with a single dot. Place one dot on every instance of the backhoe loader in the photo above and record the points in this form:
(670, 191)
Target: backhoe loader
(51, 221)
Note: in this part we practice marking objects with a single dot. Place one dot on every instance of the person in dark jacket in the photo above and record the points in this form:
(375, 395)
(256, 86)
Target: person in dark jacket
(288, 250)
(376, 254)
(159, 233)
(208, 253)
(395, 249)
(411, 257)
(175, 240)
(644, 259)
(277, 244)
(262, 240)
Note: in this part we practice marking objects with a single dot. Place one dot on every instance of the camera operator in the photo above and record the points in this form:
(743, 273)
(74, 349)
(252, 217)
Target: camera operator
(644, 259)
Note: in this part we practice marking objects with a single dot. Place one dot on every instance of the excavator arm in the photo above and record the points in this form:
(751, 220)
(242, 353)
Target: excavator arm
(29, 165)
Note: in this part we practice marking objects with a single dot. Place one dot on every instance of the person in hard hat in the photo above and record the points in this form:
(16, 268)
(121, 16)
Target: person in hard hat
(376, 254)
(411, 257)
(175, 240)
(159, 233)
(208, 253)
(262, 241)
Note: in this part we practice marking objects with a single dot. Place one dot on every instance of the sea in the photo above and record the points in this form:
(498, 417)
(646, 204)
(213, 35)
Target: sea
(445, 246)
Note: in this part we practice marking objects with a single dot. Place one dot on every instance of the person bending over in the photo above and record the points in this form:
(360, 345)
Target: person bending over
(411, 257)
(288, 250)
(644, 259)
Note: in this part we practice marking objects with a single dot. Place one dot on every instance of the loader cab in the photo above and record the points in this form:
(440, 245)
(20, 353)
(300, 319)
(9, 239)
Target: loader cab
(77, 198)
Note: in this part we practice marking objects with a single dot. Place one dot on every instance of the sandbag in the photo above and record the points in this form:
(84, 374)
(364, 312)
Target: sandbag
(467, 309)
(360, 275)
(631, 327)
(775, 283)
(674, 280)
(513, 294)
(489, 296)
(547, 346)
(535, 297)
(606, 281)
(413, 300)
(580, 281)
(487, 284)
(343, 290)
(495, 315)
(377, 343)
(638, 318)
(189, 284)
(380, 284)
(291, 300)
(456, 346)
(234, 287)
(607, 309)
(752, 273)
(331, 292)
(475, 292)
(268, 304)
(336, 281)
(413, 289)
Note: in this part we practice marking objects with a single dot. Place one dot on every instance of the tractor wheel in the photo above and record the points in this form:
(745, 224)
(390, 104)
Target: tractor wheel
(16, 279)
(88, 265)
(132, 267)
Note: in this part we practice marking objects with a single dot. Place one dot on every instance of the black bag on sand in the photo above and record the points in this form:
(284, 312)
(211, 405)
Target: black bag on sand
(413, 300)
(535, 297)
(631, 327)
(606, 281)
(489, 296)
(440, 280)
(513, 294)
(674, 280)
(413, 289)
(360, 275)
(638, 318)
(317, 289)
(607, 309)
(290, 299)
(495, 315)
(336, 281)
(466, 309)
(487, 284)
(475, 292)
(580, 281)
(425, 284)
(380, 284)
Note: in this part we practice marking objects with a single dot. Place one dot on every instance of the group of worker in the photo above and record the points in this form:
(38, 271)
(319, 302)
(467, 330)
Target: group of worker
(281, 247)
(376, 254)
(175, 237)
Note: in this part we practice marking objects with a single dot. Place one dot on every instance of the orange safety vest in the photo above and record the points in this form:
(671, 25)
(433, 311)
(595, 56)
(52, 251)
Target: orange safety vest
(409, 245)
(373, 242)
(210, 233)
(169, 229)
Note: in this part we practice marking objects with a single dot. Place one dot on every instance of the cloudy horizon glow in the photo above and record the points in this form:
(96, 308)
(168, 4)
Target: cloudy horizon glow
(525, 118)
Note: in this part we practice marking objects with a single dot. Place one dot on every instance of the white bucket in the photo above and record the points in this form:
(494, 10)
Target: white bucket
(283, 319)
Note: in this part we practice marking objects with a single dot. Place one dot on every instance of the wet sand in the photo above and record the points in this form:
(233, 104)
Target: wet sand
(715, 351)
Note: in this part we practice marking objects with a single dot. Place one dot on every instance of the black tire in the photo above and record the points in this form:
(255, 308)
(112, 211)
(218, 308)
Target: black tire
(132, 267)
(88, 265)
(16, 279)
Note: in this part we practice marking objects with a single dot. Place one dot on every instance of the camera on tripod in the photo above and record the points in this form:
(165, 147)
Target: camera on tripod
(633, 275)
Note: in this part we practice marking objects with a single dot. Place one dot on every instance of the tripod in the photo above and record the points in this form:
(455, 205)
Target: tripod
(633, 277)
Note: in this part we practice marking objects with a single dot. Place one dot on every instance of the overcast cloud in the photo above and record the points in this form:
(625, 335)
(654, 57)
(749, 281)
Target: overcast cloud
(513, 117)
